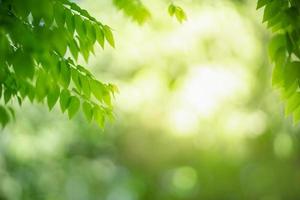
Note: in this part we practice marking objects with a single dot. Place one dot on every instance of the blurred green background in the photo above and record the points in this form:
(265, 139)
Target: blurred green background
(196, 117)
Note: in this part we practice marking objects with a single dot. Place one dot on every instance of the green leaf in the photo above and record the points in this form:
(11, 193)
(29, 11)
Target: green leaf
(41, 86)
(88, 111)
(178, 12)
(292, 103)
(289, 44)
(276, 21)
(291, 73)
(23, 65)
(272, 9)
(296, 115)
(59, 15)
(74, 49)
(70, 21)
(19, 100)
(261, 3)
(59, 41)
(84, 49)
(80, 28)
(7, 95)
(100, 36)
(84, 70)
(76, 80)
(171, 9)
(4, 116)
(278, 41)
(98, 89)
(108, 35)
(81, 11)
(65, 74)
(280, 62)
(73, 107)
(1, 90)
(180, 15)
(12, 113)
(113, 88)
(91, 31)
(53, 96)
(99, 116)
(85, 85)
(107, 99)
(289, 90)
(134, 9)
(64, 100)
(31, 93)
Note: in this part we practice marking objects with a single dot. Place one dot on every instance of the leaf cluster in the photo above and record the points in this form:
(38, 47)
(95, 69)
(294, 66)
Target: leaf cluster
(35, 37)
(283, 19)
(178, 12)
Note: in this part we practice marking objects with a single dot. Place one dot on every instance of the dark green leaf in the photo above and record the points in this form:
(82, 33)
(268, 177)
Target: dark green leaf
(4, 116)
(23, 65)
(261, 3)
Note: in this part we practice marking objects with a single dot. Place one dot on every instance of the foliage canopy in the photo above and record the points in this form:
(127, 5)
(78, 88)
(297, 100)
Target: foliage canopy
(40, 42)
(34, 63)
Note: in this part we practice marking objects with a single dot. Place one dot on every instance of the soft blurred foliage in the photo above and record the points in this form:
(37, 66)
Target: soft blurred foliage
(196, 117)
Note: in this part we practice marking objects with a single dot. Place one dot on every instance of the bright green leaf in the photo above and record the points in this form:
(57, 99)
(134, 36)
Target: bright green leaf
(64, 100)
(52, 96)
(108, 35)
(88, 111)
(73, 106)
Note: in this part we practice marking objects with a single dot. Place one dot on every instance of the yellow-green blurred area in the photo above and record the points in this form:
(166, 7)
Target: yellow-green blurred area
(196, 117)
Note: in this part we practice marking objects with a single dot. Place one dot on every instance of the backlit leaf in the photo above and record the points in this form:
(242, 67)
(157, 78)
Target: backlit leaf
(108, 35)
(73, 106)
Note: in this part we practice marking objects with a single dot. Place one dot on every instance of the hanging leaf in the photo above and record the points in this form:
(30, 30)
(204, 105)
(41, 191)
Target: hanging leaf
(88, 111)
(99, 116)
(64, 100)
(65, 74)
(98, 90)
(178, 12)
(52, 96)
(109, 36)
(73, 106)
(4, 116)
(100, 36)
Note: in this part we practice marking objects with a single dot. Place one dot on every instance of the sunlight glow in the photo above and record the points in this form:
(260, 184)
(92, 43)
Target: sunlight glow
(205, 61)
(205, 90)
